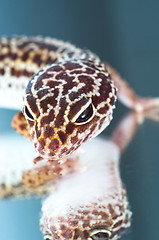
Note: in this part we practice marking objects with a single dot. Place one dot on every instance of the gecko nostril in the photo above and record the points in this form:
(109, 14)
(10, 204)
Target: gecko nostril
(57, 147)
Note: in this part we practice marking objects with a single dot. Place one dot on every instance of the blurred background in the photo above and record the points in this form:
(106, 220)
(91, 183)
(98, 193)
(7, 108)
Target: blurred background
(126, 34)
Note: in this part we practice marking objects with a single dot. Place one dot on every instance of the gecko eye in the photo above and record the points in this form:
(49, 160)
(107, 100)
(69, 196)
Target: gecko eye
(86, 115)
(47, 237)
(27, 113)
(100, 235)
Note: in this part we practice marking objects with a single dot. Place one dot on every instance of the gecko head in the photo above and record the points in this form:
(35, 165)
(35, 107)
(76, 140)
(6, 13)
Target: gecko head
(95, 234)
(92, 229)
(66, 104)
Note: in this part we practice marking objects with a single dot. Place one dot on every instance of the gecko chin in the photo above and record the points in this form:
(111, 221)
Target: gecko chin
(52, 149)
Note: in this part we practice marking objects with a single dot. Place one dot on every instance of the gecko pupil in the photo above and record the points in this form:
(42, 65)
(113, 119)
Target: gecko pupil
(85, 115)
(28, 113)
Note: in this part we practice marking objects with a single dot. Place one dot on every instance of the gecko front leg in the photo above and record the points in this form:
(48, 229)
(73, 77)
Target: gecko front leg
(20, 125)
(128, 97)
(46, 171)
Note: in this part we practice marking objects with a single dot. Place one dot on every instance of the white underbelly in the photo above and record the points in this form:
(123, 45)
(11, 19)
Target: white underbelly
(12, 91)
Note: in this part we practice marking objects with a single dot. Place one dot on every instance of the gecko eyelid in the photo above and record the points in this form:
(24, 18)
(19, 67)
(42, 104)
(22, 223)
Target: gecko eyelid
(28, 115)
(48, 237)
(86, 115)
(98, 234)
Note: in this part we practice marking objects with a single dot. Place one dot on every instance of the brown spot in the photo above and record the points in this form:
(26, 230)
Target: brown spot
(12, 71)
(63, 227)
(37, 159)
(72, 65)
(69, 128)
(62, 75)
(62, 136)
(86, 79)
(69, 85)
(51, 154)
(104, 215)
(56, 68)
(67, 234)
(102, 76)
(41, 142)
(42, 93)
(104, 109)
(85, 212)
(50, 60)
(51, 100)
(31, 123)
(74, 223)
(74, 95)
(39, 82)
(112, 101)
(23, 126)
(25, 56)
(76, 234)
(105, 89)
(32, 103)
(60, 117)
(52, 84)
(90, 64)
(1, 71)
(37, 59)
(85, 223)
(47, 119)
(76, 72)
(53, 144)
(48, 132)
(2, 57)
(85, 234)
(95, 212)
(28, 74)
(90, 71)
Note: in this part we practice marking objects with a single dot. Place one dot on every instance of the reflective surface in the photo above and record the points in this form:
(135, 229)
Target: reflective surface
(139, 170)
(125, 35)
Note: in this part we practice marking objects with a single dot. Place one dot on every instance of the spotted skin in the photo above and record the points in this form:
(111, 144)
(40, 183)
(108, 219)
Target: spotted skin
(55, 97)
(68, 100)
(22, 57)
(107, 220)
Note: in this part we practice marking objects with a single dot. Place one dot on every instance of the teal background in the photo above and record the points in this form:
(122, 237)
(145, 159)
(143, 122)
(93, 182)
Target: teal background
(126, 34)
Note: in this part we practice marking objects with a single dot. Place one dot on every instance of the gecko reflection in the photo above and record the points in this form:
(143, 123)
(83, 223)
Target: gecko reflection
(92, 204)
(90, 201)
